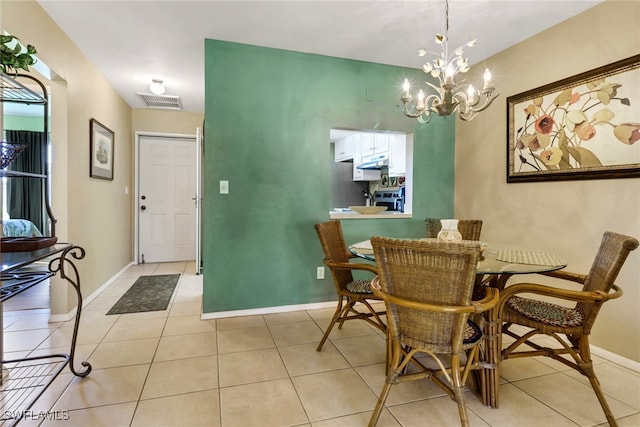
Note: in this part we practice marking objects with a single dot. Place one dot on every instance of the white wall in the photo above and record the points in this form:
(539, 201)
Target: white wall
(564, 217)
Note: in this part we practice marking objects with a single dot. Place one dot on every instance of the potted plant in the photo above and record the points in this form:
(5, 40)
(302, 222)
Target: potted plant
(15, 58)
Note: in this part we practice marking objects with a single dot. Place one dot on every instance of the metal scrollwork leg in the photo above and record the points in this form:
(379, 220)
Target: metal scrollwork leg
(64, 266)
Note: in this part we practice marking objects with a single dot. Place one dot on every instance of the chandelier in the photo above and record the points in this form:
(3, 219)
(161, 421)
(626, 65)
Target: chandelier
(454, 93)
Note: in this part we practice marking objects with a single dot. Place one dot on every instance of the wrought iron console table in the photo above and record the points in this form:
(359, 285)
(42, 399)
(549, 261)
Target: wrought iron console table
(23, 381)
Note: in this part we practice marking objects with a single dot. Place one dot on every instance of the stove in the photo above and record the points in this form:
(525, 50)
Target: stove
(392, 199)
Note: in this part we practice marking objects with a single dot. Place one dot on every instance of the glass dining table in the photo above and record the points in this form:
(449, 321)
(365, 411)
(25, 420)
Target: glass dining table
(497, 264)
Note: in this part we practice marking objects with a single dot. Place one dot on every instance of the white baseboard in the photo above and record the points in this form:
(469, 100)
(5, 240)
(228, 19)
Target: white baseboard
(616, 358)
(86, 300)
(102, 288)
(53, 318)
(268, 310)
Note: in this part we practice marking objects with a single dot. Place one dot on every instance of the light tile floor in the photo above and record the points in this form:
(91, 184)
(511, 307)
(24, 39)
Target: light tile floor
(170, 368)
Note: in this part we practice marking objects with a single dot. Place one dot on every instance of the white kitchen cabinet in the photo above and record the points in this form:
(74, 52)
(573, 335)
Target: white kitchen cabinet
(397, 155)
(366, 145)
(357, 149)
(360, 145)
(345, 148)
(380, 143)
(374, 143)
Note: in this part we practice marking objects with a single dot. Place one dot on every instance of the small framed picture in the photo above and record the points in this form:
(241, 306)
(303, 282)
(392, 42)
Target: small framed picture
(101, 151)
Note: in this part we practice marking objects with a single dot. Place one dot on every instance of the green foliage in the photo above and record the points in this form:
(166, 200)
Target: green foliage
(15, 58)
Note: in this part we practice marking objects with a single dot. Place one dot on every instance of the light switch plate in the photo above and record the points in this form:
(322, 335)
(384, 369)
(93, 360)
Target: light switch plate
(224, 187)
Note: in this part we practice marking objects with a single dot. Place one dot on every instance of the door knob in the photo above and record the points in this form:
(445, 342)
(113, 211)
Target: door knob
(143, 207)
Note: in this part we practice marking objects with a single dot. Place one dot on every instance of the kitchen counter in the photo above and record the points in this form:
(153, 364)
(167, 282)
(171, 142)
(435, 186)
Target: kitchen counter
(381, 215)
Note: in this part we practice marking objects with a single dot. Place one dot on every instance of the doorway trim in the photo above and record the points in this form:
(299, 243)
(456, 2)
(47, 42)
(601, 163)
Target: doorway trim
(136, 179)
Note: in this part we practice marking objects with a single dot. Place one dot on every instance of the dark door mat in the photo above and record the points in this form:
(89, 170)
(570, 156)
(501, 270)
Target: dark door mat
(148, 293)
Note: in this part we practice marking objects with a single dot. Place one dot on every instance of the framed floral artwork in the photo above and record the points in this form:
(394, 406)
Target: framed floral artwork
(583, 127)
(101, 151)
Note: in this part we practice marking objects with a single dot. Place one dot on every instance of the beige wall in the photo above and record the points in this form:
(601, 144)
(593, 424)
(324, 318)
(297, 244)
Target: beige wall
(567, 218)
(92, 213)
(165, 121)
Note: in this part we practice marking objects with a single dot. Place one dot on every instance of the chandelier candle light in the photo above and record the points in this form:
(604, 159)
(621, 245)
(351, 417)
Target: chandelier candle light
(453, 94)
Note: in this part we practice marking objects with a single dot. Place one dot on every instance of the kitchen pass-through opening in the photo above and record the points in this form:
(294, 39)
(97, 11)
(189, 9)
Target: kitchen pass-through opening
(371, 168)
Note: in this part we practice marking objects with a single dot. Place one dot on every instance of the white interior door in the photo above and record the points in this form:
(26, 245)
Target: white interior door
(166, 192)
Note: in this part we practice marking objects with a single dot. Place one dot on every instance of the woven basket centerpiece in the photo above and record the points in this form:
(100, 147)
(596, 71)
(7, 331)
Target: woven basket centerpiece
(10, 151)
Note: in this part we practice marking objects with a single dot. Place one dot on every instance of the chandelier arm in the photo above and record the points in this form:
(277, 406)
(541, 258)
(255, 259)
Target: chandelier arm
(471, 112)
(473, 105)
(426, 120)
(410, 109)
(462, 101)
(431, 101)
(431, 98)
(460, 96)
(467, 117)
(407, 112)
(487, 102)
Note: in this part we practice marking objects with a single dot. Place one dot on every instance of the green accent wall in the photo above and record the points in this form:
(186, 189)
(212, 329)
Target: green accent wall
(267, 118)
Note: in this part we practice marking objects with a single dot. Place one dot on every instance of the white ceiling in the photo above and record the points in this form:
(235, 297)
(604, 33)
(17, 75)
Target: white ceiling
(134, 41)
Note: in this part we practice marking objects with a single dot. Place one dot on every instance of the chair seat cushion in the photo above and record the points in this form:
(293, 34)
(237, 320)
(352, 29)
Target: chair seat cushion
(547, 313)
(359, 286)
(472, 332)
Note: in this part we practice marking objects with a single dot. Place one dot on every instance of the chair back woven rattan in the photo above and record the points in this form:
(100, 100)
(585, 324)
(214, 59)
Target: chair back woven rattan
(469, 228)
(427, 288)
(350, 291)
(569, 326)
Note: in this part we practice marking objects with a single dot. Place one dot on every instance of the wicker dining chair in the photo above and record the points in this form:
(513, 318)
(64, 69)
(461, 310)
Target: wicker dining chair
(427, 288)
(469, 228)
(350, 292)
(569, 326)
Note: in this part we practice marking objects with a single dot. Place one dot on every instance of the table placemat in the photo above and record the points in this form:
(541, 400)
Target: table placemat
(521, 256)
(363, 247)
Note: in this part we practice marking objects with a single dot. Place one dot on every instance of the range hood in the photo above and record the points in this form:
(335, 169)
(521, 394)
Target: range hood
(375, 162)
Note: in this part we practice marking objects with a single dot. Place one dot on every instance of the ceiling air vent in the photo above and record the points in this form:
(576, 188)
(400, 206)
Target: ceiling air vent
(163, 102)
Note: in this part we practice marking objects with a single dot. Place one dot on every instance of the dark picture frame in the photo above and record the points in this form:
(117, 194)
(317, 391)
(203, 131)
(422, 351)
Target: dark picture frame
(101, 151)
(582, 127)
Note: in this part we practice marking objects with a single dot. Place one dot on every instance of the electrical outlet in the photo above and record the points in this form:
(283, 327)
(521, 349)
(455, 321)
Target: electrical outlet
(224, 187)
(320, 273)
